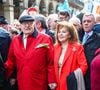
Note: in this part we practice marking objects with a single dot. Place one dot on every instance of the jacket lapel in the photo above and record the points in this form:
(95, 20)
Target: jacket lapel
(57, 54)
(91, 38)
(56, 59)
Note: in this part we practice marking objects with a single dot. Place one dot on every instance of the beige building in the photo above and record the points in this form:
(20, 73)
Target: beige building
(13, 8)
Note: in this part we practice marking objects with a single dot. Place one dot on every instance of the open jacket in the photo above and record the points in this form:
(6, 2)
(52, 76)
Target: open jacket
(74, 58)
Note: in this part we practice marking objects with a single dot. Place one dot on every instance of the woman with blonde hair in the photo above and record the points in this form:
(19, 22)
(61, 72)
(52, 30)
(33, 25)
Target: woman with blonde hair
(69, 54)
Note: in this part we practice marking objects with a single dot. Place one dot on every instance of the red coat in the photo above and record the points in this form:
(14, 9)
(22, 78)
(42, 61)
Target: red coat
(35, 67)
(74, 58)
(95, 71)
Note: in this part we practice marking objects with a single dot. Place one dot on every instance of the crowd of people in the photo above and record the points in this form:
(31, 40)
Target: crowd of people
(54, 52)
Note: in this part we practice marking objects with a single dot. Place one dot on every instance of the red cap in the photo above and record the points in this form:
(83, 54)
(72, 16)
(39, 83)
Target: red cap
(32, 9)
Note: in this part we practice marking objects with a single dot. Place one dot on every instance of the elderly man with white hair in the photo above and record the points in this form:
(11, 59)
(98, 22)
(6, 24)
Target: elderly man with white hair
(51, 20)
(76, 22)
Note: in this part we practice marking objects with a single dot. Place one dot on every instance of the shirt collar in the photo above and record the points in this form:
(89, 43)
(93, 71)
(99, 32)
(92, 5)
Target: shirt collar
(43, 31)
(89, 33)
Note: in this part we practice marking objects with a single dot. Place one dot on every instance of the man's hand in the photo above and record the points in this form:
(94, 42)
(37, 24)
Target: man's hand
(52, 86)
(12, 81)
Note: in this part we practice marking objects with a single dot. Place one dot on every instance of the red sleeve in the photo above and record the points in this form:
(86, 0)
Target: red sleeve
(51, 73)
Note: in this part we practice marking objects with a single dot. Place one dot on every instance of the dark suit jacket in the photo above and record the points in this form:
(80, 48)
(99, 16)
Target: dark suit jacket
(4, 43)
(92, 44)
(52, 35)
(2, 71)
(72, 82)
(4, 47)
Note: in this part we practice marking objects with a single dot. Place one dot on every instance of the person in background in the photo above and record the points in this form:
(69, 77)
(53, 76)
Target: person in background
(2, 73)
(13, 79)
(13, 32)
(68, 54)
(76, 22)
(97, 24)
(63, 15)
(32, 11)
(80, 16)
(42, 27)
(16, 24)
(81, 31)
(4, 23)
(32, 53)
(5, 40)
(95, 71)
(52, 22)
(91, 42)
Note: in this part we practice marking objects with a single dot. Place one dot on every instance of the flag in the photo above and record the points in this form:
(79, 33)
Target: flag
(64, 6)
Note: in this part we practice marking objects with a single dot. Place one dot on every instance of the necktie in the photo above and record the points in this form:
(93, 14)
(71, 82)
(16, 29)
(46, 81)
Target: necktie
(86, 36)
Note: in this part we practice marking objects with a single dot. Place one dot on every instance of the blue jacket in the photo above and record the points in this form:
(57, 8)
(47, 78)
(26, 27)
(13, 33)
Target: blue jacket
(97, 28)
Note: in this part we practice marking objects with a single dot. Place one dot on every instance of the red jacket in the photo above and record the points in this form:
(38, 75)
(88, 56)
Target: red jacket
(35, 67)
(73, 59)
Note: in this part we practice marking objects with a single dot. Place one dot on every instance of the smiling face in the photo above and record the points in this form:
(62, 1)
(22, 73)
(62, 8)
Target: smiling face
(27, 27)
(66, 32)
(63, 34)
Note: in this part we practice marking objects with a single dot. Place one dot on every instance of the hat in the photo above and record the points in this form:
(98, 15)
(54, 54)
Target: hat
(32, 9)
(26, 18)
(3, 20)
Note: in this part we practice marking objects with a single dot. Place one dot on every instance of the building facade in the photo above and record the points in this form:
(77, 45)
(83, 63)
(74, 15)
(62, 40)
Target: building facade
(13, 8)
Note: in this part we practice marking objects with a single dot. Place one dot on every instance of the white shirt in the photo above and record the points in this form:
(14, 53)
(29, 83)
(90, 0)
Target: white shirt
(24, 41)
(43, 31)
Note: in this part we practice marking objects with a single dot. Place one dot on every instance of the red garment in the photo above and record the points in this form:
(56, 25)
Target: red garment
(73, 59)
(35, 67)
(95, 71)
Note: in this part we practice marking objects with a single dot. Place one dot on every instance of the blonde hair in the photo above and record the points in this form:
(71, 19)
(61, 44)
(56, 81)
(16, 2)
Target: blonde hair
(71, 29)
